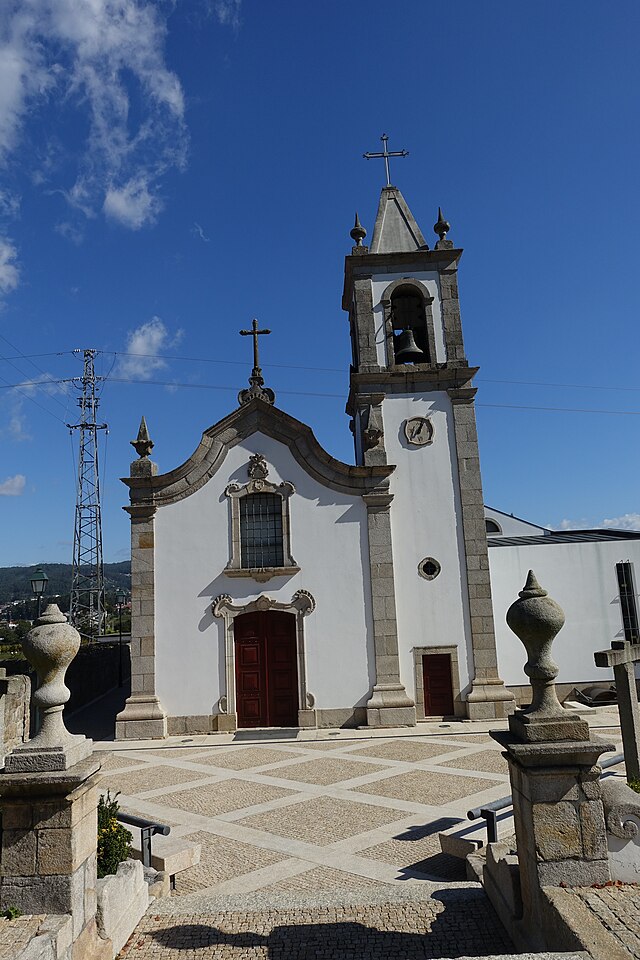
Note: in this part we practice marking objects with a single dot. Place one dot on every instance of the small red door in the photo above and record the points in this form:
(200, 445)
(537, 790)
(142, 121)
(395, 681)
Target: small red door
(266, 669)
(438, 688)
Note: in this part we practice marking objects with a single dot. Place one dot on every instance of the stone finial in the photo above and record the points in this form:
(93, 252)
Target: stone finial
(50, 647)
(358, 232)
(536, 619)
(441, 226)
(143, 444)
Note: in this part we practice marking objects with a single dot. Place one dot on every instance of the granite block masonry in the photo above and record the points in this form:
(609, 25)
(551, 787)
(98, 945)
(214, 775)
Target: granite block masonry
(555, 781)
(49, 801)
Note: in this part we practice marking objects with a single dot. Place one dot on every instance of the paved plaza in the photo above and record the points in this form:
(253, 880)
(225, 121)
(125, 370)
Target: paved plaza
(321, 847)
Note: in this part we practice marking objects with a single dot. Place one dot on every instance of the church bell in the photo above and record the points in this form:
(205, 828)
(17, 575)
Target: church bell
(406, 348)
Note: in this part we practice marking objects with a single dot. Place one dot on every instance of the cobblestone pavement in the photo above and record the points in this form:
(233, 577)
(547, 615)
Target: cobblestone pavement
(452, 925)
(16, 934)
(327, 843)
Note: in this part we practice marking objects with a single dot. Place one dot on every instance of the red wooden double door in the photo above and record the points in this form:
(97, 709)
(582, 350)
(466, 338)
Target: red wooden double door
(266, 669)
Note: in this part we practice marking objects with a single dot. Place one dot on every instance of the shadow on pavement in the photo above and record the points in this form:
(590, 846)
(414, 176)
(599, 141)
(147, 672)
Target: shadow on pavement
(467, 926)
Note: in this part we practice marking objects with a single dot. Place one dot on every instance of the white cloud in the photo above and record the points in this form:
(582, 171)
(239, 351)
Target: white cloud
(197, 231)
(70, 231)
(628, 521)
(9, 204)
(144, 346)
(571, 525)
(9, 272)
(132, 205)
(228, 12)
(13, 486)
(99, 56)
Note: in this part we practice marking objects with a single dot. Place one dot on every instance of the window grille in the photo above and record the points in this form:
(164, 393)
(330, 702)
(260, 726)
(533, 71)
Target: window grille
(261, 531)
(628, 601)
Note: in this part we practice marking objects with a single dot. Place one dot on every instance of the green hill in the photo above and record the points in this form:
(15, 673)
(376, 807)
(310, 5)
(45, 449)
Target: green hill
(15, 582)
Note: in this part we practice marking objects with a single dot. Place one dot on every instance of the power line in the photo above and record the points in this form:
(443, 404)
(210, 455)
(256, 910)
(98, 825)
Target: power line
(306, 393)
(291, 366)
(16, 386)
(39, 369)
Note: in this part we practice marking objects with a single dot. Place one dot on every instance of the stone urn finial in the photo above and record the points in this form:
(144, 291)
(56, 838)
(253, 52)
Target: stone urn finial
(50, 646)
(143, 444)
(536, 619)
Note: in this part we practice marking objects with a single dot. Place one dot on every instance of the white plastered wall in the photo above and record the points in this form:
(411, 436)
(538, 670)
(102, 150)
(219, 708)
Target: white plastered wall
(329, 544)
(425, 523)
(431, 281)
(581, 577)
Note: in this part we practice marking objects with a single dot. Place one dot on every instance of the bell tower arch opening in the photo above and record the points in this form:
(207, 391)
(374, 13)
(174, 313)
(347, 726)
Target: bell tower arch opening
(409, 323)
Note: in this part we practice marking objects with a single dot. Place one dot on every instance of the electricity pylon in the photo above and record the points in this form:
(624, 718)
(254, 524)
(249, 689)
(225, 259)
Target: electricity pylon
(87, 583)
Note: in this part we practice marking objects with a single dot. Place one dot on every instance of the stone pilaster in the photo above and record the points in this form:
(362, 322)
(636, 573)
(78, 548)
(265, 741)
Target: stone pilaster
(389, 705)
(364, 329)
(488, 698)
(450, 307)
(143, 716)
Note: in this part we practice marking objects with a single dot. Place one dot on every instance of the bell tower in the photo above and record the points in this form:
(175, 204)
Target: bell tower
(411, 401)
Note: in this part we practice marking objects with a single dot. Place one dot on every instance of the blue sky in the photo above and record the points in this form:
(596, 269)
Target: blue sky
(170, 170)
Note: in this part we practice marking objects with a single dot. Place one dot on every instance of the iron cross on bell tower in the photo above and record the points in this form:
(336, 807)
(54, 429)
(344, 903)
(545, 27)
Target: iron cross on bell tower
(385, 155)
(257, 389)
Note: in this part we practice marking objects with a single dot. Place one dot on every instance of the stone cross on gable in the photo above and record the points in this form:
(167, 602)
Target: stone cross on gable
(623, 658)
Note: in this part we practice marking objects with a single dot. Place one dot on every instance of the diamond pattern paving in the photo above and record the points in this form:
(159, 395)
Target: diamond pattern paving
(148, 778)
(489, 761)
(323, 878)
(417, 848)
(213, 799)
(322, 820)
(222, 859)
(245, 758)
(325, 771)
(116, 761)
(422, 786)
(407, 750)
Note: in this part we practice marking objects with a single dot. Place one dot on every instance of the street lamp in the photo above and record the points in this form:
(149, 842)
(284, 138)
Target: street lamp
(39, 582)
(120, 599)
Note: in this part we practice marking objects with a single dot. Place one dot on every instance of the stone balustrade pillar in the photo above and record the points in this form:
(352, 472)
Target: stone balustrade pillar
(49, 796)
(555, 779)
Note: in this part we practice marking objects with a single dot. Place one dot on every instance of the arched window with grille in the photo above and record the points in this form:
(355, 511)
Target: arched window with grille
(260, 534)
(261, 530)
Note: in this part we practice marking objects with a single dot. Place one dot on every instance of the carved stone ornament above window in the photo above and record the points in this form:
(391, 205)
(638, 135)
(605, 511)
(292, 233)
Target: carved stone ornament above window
(419, 431)
(258, 468)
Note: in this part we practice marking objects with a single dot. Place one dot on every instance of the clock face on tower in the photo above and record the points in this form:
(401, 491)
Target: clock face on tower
(419, 431)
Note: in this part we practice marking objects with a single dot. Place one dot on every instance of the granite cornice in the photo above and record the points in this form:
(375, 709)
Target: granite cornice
(255, 416)
(455, 380)
(368, 265)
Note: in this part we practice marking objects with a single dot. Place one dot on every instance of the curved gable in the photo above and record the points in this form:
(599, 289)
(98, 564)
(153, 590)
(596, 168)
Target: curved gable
(256, 417)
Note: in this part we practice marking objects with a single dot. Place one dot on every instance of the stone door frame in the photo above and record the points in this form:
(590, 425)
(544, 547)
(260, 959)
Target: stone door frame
(301, 605)
(420, 652)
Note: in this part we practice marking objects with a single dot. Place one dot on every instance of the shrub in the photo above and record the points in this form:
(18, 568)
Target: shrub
(635, 785)
(114, 840)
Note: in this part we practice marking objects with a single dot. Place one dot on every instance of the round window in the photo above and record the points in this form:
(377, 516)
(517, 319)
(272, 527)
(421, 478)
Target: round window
(429, 568)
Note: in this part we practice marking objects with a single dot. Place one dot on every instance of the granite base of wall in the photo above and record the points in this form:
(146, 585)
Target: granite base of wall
(220, 723)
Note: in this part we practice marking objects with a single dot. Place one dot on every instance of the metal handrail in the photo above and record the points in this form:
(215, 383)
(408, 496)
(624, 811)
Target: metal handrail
(148, 829)
(488, 811)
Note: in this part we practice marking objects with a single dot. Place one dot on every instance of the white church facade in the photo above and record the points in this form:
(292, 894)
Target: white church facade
(274, 586)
